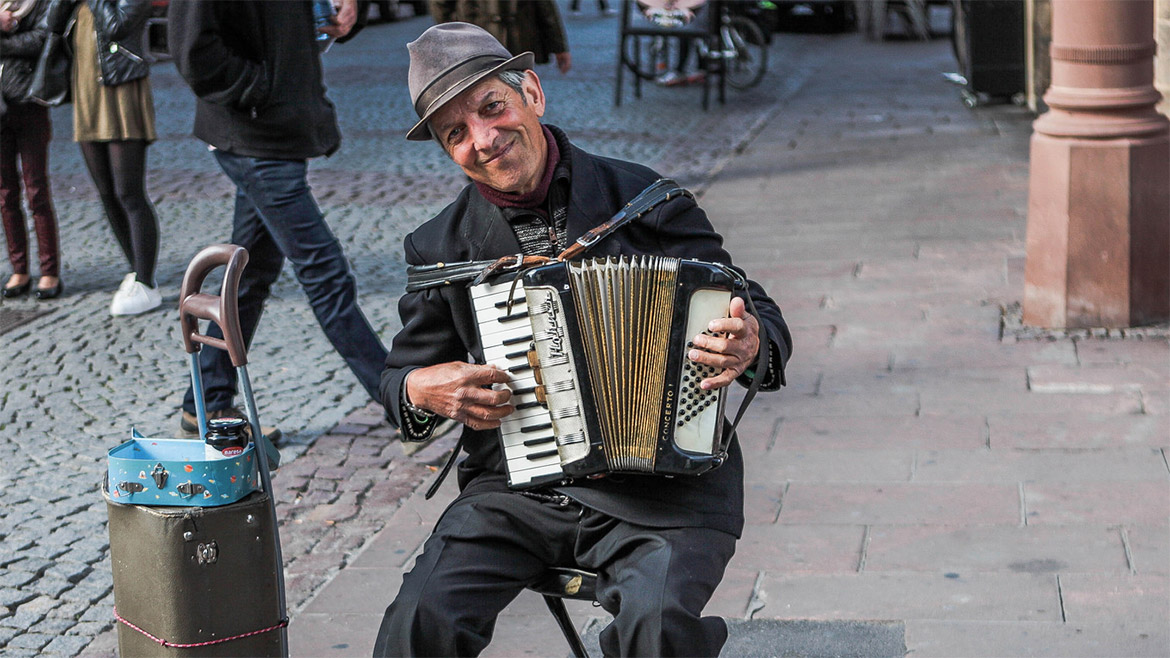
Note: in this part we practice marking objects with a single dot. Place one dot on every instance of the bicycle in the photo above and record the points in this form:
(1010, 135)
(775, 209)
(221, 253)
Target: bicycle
(738, 49)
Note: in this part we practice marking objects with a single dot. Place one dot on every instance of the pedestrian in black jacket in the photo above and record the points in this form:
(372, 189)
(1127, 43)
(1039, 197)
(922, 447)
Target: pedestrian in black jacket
(255, 67)
(659, 545)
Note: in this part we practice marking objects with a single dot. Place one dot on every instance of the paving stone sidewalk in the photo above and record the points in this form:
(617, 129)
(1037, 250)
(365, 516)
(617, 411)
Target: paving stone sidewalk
(925, 485)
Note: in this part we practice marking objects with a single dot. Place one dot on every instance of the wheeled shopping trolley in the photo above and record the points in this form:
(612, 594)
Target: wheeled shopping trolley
(194, 542)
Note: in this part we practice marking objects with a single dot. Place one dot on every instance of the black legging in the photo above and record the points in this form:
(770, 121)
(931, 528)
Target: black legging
(118, 169)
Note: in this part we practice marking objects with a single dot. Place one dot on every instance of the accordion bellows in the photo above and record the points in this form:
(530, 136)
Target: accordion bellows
(596, 352)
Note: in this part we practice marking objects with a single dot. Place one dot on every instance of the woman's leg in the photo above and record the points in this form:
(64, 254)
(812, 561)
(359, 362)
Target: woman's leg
(128, 164)
(15, 232)
(97, 160)
(34, 165)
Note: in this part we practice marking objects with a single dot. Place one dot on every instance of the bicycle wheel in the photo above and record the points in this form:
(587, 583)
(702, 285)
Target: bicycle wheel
(751, 53)
(645, 57)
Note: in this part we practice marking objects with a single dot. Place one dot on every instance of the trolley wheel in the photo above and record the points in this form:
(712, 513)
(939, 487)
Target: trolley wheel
(970, 98)
(751, 54)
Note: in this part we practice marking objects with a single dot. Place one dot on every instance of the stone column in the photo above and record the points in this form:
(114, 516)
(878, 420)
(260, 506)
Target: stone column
(1162, 63)
(1098, 237)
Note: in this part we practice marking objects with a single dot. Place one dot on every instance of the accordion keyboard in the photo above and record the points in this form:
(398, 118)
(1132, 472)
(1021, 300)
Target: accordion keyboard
(528, 439)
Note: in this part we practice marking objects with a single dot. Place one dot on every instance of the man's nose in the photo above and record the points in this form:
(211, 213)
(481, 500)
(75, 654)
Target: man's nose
(483, 135)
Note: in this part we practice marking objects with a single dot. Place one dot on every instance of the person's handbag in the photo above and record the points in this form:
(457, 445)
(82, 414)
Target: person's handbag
(52, 76)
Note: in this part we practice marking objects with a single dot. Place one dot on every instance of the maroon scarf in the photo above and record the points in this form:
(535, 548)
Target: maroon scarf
(536, 197)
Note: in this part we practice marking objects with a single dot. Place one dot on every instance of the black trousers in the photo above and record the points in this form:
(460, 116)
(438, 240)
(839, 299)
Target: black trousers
(487, 547)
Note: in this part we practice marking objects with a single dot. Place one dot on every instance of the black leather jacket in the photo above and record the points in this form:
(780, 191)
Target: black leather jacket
(19, 51)
(120, 27)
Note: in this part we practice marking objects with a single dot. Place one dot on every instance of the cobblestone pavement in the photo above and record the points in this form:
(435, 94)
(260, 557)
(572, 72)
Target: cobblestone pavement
(76, 380)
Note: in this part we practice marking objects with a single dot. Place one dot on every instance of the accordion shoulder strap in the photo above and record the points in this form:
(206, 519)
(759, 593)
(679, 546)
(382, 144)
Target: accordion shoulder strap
(660, 191)
(431, 490)
(762, 360)
(421, 277)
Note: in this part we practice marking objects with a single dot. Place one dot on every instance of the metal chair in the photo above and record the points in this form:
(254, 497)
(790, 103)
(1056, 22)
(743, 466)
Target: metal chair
(633, 28)
(559, 583)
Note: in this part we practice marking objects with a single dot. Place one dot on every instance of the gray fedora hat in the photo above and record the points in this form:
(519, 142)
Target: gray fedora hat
(449, 59)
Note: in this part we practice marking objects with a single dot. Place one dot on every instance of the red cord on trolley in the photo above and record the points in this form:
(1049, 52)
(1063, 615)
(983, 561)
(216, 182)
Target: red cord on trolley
(177, 645)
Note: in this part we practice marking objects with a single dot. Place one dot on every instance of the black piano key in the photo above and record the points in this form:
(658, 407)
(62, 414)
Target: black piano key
(519, 368)
(536, 428)
(516, 340)
(515, 316)
(542, 454)
(515, 302)
(527, 405)
(516, 355)
(527, 390)
(535, 442)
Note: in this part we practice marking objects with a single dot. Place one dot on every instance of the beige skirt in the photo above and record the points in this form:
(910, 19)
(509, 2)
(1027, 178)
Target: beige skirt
(101, 113)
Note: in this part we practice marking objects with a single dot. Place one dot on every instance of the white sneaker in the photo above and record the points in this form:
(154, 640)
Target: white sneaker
(134, 297)
(127, 280)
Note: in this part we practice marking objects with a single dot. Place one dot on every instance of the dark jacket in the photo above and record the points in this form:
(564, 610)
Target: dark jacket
(121, 27)
(256, 69)
(438, 326)
(19, 51)
(521, 25)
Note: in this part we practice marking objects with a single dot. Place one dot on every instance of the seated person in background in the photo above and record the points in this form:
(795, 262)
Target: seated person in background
(660, 545)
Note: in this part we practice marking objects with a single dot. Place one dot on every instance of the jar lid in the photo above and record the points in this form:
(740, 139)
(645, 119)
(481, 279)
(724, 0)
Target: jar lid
(226, 426)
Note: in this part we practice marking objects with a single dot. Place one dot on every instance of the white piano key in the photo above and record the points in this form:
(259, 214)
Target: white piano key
(522, 470)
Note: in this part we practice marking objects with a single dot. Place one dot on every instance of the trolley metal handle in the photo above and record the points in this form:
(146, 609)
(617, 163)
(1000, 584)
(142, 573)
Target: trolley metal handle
(222, 309)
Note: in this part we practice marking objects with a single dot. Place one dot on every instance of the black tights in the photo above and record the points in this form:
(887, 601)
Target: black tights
(118, 169)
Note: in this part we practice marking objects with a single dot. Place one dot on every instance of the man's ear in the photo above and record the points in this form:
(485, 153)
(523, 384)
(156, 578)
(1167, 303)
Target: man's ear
(534, 92)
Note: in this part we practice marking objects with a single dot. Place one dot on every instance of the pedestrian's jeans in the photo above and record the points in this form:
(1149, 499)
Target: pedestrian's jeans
(276, 217)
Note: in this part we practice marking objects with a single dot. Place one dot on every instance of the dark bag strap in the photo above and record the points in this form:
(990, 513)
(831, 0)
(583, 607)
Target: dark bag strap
(50, 83)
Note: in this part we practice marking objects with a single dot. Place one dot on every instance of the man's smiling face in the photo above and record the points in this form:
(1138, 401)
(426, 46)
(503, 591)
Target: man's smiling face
(494, 134)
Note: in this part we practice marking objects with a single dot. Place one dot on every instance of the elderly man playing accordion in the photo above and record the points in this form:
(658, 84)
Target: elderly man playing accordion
(659, 544)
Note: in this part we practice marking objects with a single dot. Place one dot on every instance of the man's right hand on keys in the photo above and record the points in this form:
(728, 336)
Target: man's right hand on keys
(461, 391)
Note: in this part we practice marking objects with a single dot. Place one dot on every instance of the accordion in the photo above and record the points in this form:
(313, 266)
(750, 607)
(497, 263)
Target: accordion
(596, 356)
